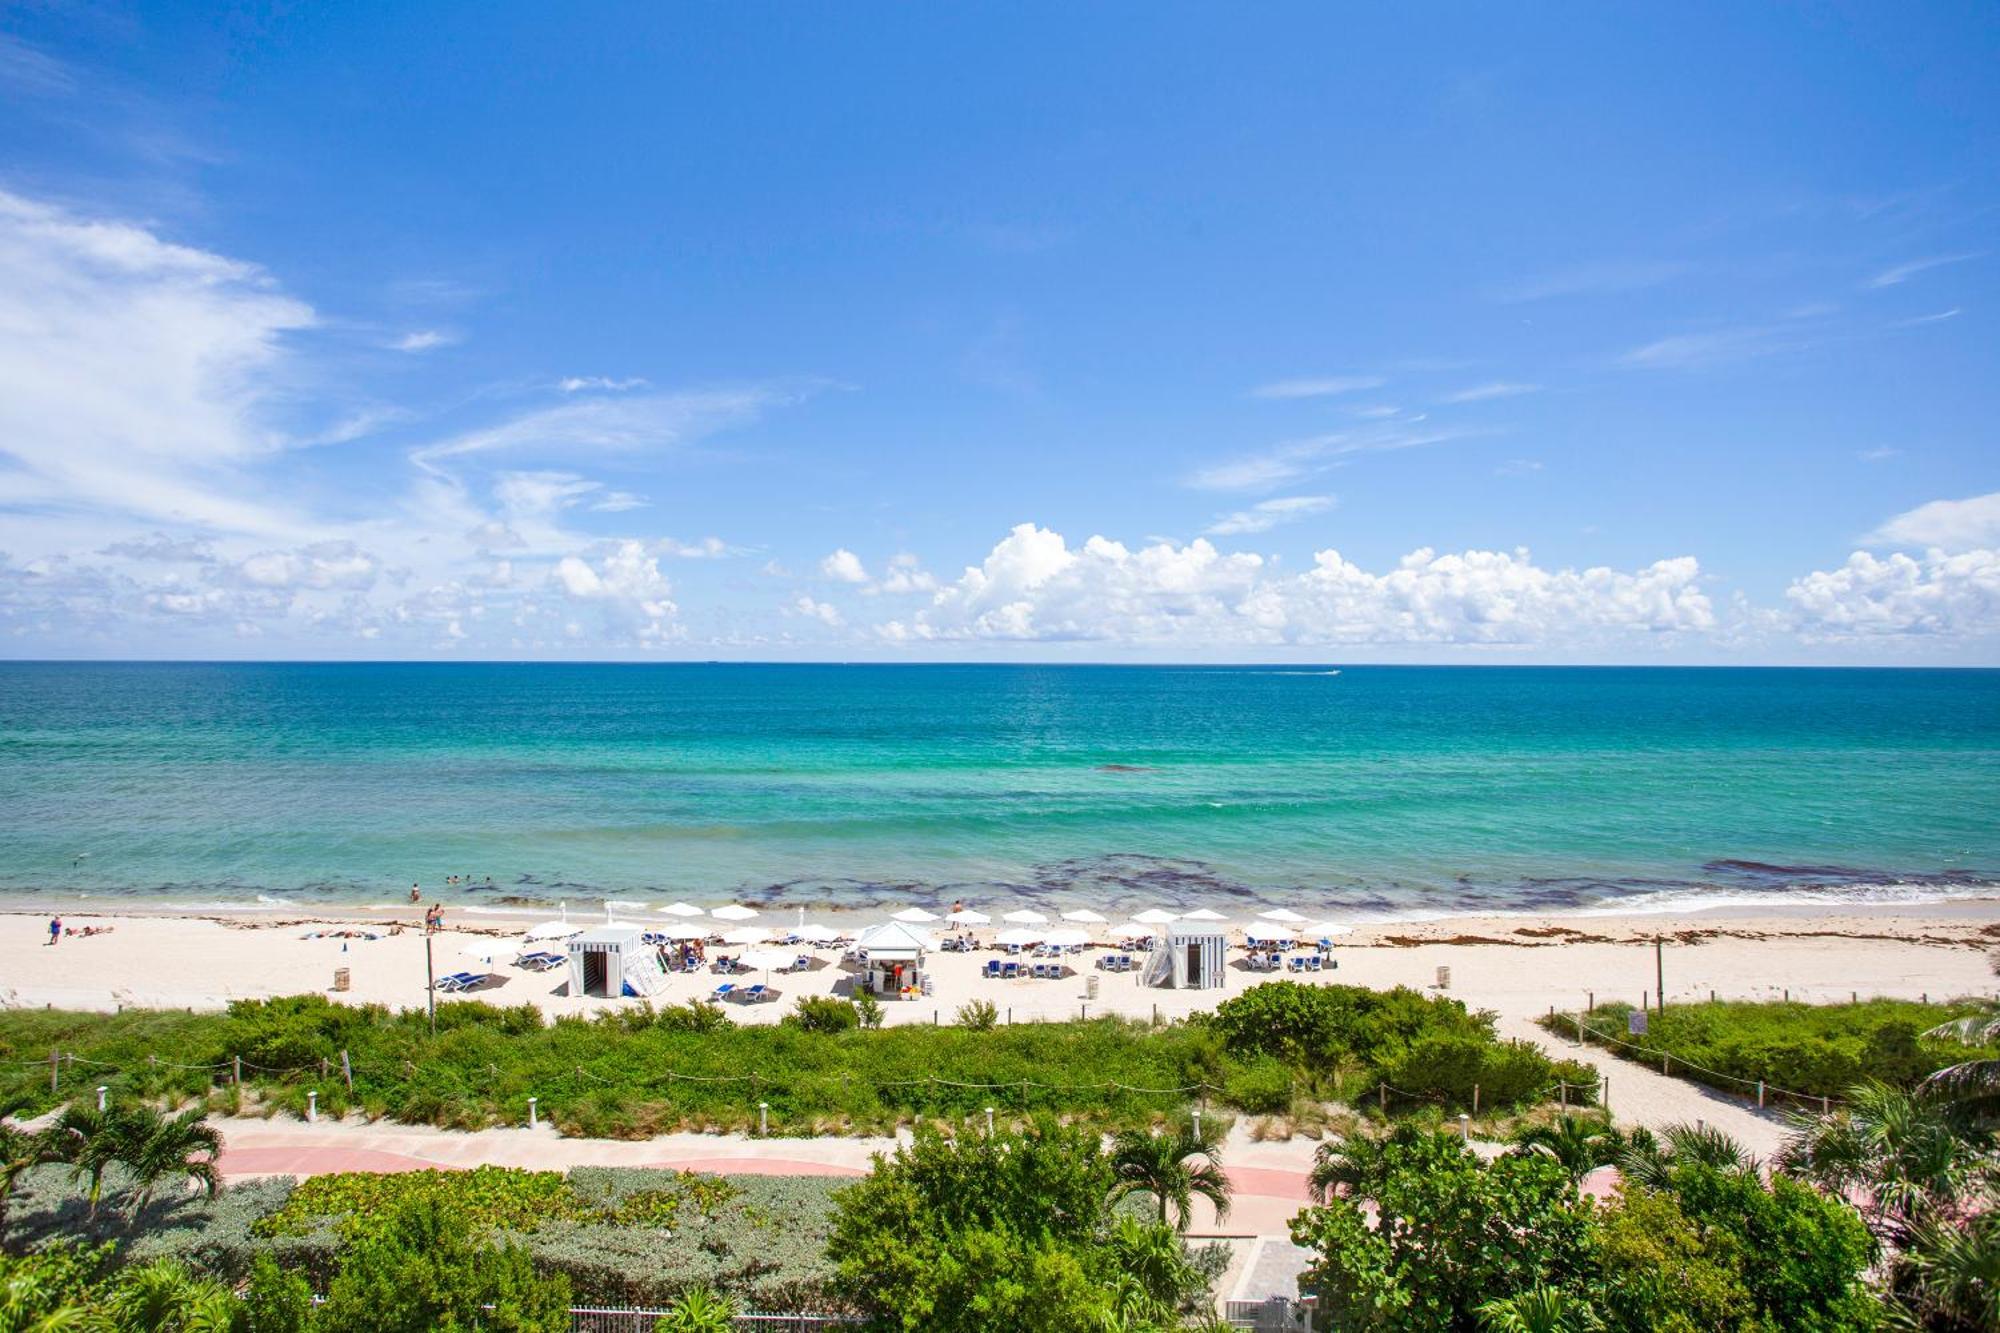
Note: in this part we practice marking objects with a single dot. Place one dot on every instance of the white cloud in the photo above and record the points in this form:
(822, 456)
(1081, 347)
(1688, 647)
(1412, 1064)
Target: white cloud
(1937, 595)
(1034, 587)
(1878, 453)
(602, 383)
(1591, 278)
(1480, 393)
(824, 612)
(1950, 525)
(628, 576)
(618, 502)
(322, 565)
(845, 566)
(906, 575)
(138, 376)
(423, 340)
(1698, 351)
(640, 422)
(1898, 274)
(1297, 459)
(1324, 387)
(1268, 514)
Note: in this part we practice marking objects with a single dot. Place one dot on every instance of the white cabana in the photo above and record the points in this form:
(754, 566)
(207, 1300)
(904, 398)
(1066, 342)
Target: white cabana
(1193, 958)
(915, 916)
(746, 935)
(1284, 914)
(1155, 916)
(965, 916)
(681, 909)
(1202, 914)
(734, 912)
(1085, 915)
(611, 961)
(895, 957)
(1026, 916)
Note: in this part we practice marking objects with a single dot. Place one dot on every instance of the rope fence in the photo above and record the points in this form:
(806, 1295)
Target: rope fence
(1764, 1089)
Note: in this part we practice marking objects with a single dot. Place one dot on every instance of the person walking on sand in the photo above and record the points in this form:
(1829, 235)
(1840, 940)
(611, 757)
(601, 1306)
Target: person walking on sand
(55, 930)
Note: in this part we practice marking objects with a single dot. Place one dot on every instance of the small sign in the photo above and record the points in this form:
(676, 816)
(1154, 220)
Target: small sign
(1635, 1023)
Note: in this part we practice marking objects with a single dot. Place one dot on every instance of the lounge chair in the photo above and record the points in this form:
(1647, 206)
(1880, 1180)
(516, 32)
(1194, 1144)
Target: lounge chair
(1010, 970)
(722, 992)
(992, 969)
(757, 992)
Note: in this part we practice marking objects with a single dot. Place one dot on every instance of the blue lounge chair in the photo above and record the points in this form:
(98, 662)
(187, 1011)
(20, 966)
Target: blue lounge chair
(992, 970)
(722, 992)
(1010, 970)
(757, 992)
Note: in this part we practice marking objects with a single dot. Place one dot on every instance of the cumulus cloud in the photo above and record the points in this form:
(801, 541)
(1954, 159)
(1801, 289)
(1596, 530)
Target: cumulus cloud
(320, 566)
(1033, 586)
(1950, 525)
(627, 576)
(1268, 514)
(844, 566)
(824, 612)
(906, 575)
(1870, 596)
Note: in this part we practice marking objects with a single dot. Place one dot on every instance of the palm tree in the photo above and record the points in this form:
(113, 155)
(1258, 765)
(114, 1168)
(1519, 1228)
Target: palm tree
(1537, 1310)
(87, 1141)
(165, 1296)
(1341, 1164)
(1650, 1161)
(160, 1147)
(1172, 1167)
(1949, 1276)
(1978, 1080)
(1915, 1157)
(1579, 1144)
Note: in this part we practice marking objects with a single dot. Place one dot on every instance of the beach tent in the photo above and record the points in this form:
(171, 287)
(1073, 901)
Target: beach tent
(895, 956)
(1192, 958)
(611, 961)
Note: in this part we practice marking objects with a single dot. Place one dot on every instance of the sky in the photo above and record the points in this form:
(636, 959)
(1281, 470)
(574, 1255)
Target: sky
(1111, 332)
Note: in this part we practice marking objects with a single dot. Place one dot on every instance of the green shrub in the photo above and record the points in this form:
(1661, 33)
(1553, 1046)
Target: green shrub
(978, 1016)
(870, 1010)
(823, 1013)
(1262, 1087)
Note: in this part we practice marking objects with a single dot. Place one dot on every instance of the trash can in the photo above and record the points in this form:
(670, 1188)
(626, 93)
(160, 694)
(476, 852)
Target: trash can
(1090, 986)
(340, 978)
(1444, 978)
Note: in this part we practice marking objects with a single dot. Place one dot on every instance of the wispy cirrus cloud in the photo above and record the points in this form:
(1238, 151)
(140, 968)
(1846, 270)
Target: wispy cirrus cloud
(652, 421)
(1492, 389)
(1326, 386)
(1897, 274)
(1603, 277)
(1297, 459)
(1698, 351)
(1268, 514)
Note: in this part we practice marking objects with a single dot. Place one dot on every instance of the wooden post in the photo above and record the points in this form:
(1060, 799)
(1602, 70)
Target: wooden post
(1660, 972)
(347, 1071)
(1666, 1064)
(1590, 1005)
(236, 1062)
(55, 1070)
(1382, 1097)
(1604, 1091)
(1475, 1099)
(1823, 1107)
(1760, 1094)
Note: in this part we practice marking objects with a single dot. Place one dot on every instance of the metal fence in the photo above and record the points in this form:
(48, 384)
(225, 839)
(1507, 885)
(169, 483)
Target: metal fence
(1276, 1315)
(632, 1319)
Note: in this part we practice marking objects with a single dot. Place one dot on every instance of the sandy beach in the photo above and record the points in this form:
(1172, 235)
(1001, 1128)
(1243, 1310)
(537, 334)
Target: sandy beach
(1517, 966)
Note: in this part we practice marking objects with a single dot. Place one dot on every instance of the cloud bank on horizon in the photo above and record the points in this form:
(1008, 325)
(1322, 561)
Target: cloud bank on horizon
(221, 440)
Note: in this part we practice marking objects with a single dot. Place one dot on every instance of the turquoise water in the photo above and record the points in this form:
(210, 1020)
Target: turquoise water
(1368, 792)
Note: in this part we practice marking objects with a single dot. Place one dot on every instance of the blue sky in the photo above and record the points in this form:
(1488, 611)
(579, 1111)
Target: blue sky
(1115, 332)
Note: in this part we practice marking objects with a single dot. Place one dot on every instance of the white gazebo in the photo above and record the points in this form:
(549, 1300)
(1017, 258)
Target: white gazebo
(611, 961)
(1192, 958)
(895, 954)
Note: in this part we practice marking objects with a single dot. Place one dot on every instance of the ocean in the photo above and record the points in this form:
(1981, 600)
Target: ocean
(1363, 792)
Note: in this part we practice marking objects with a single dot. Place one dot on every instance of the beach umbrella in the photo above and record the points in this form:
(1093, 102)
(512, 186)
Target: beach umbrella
(1284, 914)
(1155, 916)
(681, 909)
(685, 930)
(746, 935)
(1027, 917)
(816, 933)
(1020, 935)
(1133, 930)
(763, 960)
(965, 916)
(553, 930)
(916, 916)
(734, 912)
(1086, 915)
(487, 949)
(1202, 914)
(1328, 929)
(1066, 937)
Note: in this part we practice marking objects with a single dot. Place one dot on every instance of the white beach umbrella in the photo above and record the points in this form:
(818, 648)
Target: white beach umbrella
(1134, 930)
(763, 960)
(916, 916)
(684, 930)
(1284, 914)
(1202, 914)
(1086, 915)
(815, 933)
(1066, 937)
(1020, 935)
(1328, 929)
(1155, 916)
(965, 916)
(733, 912)
(1027, 916)
(488, 950)
(681, 909)
(746, 935)
(553, 930)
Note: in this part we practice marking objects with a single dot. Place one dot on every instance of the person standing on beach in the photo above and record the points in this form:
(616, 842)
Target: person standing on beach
(55, 930)
(416, 894)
